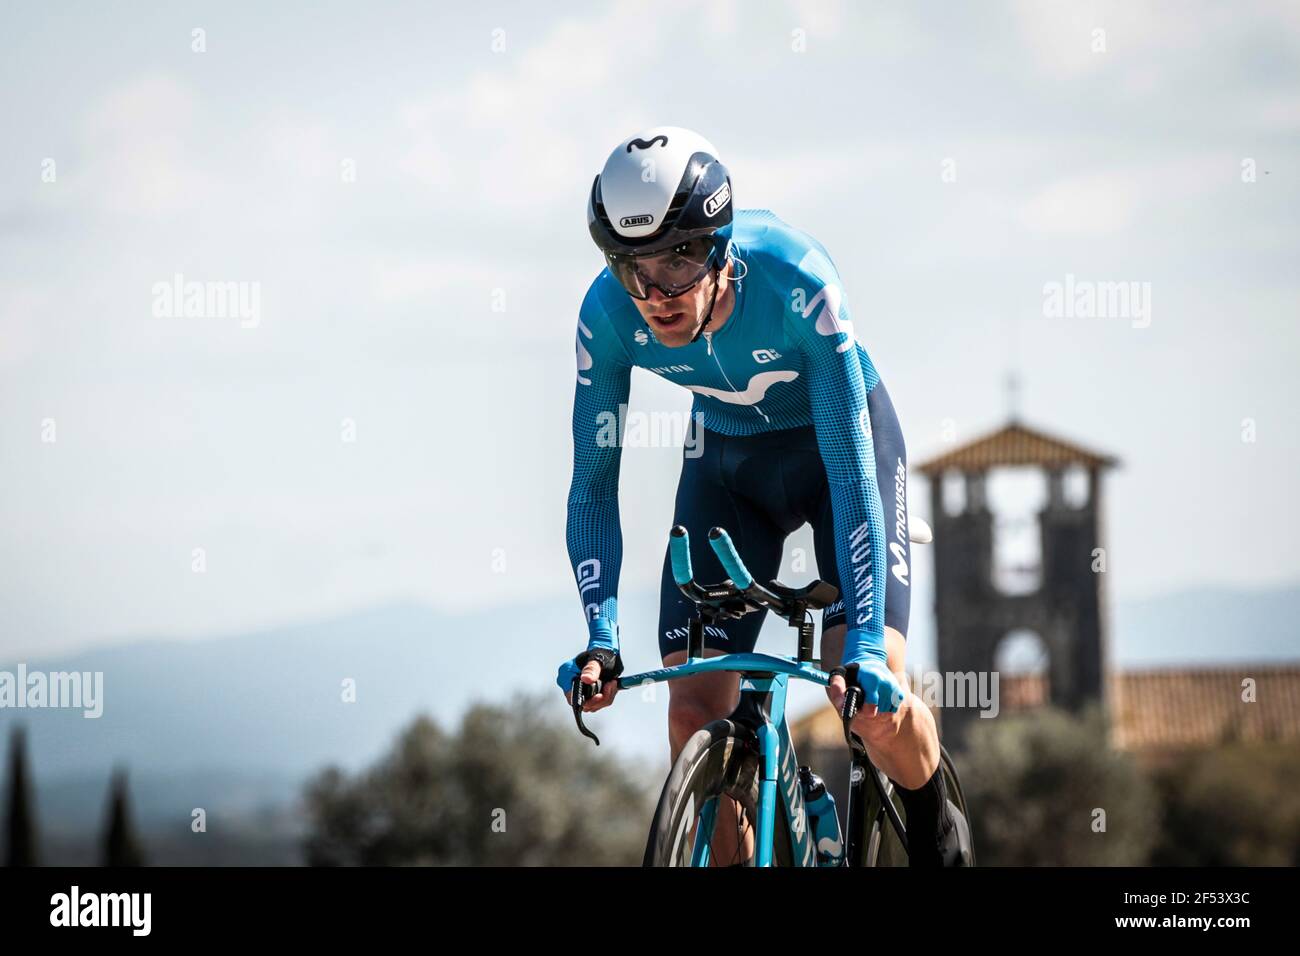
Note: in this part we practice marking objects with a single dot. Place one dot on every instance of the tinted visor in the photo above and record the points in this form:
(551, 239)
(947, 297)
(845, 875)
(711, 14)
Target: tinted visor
(671, 271)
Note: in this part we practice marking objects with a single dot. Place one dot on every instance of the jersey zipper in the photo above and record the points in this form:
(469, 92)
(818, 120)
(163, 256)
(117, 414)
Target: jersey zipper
(708, 342)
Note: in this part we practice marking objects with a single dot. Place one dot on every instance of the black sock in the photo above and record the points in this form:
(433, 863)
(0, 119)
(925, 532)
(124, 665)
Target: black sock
(927, 819)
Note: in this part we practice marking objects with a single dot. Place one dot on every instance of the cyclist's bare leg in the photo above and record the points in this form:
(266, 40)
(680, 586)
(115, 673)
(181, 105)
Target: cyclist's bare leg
(904, 744)
(693, 702)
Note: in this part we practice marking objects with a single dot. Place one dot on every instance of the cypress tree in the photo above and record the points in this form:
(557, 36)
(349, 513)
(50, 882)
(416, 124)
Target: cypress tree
(20, 823)
(121, 848)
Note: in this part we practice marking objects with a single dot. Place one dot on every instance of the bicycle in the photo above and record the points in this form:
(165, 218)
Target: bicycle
(749, 756)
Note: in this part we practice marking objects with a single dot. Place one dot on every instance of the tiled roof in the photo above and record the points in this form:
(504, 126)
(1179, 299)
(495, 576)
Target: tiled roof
(1177, 708)
(1166, 709)
(1015, 444)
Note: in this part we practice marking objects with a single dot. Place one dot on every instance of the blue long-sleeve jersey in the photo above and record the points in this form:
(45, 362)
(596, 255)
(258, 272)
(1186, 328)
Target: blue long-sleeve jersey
(786, 357)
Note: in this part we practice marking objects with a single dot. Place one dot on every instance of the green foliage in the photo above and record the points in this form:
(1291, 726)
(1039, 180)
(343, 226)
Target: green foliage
(1237, 805)
(1042, 785)
(511, 788)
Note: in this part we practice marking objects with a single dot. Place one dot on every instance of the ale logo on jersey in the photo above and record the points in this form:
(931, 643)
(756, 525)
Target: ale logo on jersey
(718, 201)
(627, 222)
(588, 574)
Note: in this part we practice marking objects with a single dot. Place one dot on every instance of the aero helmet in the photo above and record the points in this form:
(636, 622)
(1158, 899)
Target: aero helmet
(662, 191)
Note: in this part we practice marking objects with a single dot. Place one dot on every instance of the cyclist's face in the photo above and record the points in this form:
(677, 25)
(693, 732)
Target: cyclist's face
(676, 320)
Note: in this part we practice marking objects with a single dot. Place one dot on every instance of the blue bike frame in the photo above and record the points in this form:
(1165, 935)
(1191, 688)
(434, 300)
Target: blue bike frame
(763, 683)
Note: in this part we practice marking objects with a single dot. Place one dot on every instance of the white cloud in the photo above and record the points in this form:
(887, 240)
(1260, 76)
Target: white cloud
(420, 280)
(802, 175)
(818, 17)
(24, 313)
(1145, 42)
(515, 133)
(136, 160)
(1091, 204)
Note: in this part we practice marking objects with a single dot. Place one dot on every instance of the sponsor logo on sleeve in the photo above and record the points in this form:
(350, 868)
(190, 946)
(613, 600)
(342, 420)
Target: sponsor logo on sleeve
(588, 573)
(898, 547)
(864, 586)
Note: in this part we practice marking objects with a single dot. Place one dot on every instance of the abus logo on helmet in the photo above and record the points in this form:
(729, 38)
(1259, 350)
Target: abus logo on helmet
(642, 220)
(715, 203)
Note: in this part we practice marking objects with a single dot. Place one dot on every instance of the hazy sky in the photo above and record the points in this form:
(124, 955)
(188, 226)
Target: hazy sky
(405, 185)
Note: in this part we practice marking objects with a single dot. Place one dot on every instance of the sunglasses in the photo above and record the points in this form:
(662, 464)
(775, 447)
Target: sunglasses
(671, 271)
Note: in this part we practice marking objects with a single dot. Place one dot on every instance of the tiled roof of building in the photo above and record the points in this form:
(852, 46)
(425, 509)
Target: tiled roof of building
(1015, 444)
(1184, 707)
(1150, 710)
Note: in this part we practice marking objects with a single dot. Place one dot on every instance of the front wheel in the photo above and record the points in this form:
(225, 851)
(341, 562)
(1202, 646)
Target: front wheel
(719, 761)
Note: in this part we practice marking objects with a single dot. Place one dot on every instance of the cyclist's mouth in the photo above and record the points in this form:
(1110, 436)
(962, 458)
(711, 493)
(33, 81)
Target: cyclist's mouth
(671, 320)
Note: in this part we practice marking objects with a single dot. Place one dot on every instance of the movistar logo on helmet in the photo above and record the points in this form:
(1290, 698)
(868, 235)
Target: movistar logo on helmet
(642, 220)
(718, 201)
(640, 143)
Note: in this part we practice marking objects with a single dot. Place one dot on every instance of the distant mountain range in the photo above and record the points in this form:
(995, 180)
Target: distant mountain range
(235, 724)
(1208, 626)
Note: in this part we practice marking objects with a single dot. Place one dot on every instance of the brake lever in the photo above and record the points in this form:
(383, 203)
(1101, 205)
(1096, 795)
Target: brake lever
(580, 696)
(853, 698)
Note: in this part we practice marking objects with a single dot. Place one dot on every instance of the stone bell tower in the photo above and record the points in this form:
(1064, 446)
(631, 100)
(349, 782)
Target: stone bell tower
(1058, 595)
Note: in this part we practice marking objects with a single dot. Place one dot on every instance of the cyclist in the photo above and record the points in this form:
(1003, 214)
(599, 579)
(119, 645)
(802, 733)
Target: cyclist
(750, 315)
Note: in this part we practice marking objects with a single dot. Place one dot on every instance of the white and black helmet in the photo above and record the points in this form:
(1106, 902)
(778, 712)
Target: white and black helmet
(658, 189)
